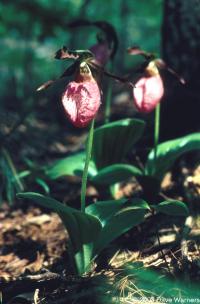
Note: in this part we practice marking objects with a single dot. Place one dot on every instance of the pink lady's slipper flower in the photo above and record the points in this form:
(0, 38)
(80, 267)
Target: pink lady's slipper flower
(148, 90)
(101, 53)
(82, 98)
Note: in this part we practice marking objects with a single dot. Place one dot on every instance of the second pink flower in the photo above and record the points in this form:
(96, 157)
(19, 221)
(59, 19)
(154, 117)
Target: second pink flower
(148, 92)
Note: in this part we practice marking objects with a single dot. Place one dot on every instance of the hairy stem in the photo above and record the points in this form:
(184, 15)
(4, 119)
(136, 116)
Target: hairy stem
(87, 161)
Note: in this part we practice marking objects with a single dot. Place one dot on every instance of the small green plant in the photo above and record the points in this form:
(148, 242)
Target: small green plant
(10, 181)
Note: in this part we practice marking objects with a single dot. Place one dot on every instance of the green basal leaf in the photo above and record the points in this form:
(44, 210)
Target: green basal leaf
(115, 174)
(172, 207)
(113, 140)
(83, 229)
(103, 210)
(120, 222)
(168, 152)
(69, 166)
(89, 228)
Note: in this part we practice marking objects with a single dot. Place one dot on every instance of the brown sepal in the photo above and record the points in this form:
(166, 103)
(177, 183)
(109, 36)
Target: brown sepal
(136, 50)
(111, 75)
(162, 65)
(45, 85)
(64, 53)
(68, 72)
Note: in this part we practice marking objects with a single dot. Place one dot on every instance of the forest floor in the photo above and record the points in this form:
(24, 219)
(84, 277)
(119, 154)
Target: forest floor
(33, 255)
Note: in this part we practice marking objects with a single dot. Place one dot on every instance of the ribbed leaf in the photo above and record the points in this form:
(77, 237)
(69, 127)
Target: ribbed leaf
(71, 165)
(113, 140)
(90, 228)
(83, 228)
(103, 210)
(168, 152)
(115, 174)
(121, 222)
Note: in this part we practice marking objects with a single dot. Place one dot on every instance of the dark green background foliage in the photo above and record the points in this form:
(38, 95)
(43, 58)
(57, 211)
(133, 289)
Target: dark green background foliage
(31, 32)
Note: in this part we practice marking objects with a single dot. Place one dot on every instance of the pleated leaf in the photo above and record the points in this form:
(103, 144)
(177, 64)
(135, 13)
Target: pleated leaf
(104, 210)
(115, 173)
(83, 229)
(69, 166)
(168, 152)
(121, 222)
(112, 141)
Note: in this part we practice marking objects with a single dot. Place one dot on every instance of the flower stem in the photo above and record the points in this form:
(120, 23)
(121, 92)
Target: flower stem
(87, 161)
(156, 132)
